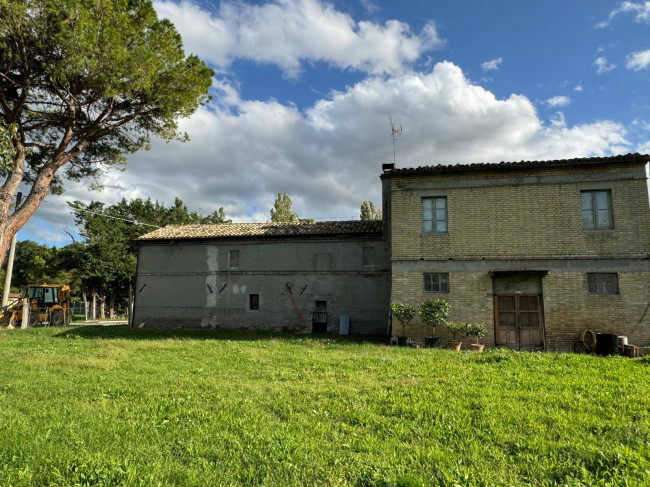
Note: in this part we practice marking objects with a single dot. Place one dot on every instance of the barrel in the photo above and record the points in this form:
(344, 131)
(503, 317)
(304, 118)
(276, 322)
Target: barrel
(606, 343)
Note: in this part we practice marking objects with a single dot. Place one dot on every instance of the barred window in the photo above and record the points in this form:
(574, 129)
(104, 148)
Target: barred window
(253, 301)
(602, 283)
(436, 283)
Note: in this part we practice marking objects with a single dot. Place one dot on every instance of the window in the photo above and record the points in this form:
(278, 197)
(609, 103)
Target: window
(602, 283)
(233, 259)
(434, 215)
(368, 257)
(253, 301)
(597, 210)
(436, 283)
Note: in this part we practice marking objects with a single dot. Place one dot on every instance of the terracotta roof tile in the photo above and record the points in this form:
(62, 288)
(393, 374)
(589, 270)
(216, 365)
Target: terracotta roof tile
(235, 230)
(504, 166)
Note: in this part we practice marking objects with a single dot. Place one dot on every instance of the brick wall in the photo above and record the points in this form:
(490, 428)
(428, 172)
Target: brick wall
(491, 227)
(519, 220)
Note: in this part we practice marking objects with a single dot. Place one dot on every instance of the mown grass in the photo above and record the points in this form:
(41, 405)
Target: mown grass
(115, 406)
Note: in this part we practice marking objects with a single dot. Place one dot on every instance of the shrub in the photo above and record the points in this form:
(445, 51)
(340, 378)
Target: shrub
(434, 313)
(477, 330)
(456, 328)
(404, 313)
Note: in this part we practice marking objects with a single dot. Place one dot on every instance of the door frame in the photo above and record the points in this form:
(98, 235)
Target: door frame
(540, 298)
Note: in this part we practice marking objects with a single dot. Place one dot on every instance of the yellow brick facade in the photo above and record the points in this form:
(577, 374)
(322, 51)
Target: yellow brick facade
(527, 218)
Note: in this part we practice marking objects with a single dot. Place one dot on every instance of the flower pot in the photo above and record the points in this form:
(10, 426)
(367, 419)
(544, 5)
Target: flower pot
(477, 347)
(432, 342)
(402, 341)
(455, 345)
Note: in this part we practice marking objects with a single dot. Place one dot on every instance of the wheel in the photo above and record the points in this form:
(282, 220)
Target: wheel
(33, 318)
(581, 347)
(56, 318)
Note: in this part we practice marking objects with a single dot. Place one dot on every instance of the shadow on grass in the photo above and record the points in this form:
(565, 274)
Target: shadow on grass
(128, 333)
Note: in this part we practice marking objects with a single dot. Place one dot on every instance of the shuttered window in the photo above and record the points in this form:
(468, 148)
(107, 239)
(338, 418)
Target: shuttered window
(602, 282)
(597, 210)
(434, 215)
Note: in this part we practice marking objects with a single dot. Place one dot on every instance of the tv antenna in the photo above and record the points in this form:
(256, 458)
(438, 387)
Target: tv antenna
(394, 131)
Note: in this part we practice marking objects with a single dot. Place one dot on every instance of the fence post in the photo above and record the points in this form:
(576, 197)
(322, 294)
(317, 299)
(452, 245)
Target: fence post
(26, 312)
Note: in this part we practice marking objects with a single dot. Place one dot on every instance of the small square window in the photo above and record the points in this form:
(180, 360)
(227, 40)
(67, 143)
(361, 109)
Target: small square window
(253, 301)
(436, 283)
(368, 257)
(597, 210)
(233, 259)
(602, 283)
(434, 215)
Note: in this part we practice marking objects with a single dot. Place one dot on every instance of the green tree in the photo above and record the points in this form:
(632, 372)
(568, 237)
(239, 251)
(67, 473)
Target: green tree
(85, 83)
(369, 212)
(434, 312)
(404, 313)
(281, 211)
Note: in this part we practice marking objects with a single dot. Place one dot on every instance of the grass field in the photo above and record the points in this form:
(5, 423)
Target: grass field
(115, 406)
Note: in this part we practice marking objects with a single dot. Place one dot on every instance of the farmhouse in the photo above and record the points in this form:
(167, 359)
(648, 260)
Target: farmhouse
(539, 251)
(269, 276)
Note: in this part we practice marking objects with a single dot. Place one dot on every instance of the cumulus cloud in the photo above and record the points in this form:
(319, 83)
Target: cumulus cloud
(640, 10)
(289, 33)
(328, 157)
(638, 60)
(492, 65)
(558, 101)
(602, 65)
(578, 88)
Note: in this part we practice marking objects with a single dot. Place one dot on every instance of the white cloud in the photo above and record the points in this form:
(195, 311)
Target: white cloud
(492, 65)
(328, 158)
(638, 60)
(558, 101)
(602, 66)
(289, 33)
(578, 88)
(370, 7)
(640, 10)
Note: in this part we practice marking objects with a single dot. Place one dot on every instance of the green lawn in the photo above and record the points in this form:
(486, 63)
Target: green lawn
(115, 406)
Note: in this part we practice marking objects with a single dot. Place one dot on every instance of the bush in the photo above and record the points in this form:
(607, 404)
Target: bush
(457, 328)
(477, 330)
(434, 313)
(404, 313)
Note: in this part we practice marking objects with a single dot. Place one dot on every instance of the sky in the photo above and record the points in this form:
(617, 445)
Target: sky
(303, 91)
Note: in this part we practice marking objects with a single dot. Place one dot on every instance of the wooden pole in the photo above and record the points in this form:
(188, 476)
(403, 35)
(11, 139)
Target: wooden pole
(10, 260)
(26, 312)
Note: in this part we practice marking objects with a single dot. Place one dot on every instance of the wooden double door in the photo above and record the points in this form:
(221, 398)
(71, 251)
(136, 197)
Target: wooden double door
(519, 321)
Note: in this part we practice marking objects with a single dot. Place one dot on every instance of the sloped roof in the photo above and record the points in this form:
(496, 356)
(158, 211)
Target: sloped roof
(504, 166)
(236, 230)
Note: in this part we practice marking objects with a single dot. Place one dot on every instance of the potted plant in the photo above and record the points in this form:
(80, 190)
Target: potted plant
(404, 313)
(456, 329)
(434, 313)
(477, 330)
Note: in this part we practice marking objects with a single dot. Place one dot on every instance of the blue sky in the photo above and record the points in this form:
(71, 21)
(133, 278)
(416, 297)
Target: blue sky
(303, 88)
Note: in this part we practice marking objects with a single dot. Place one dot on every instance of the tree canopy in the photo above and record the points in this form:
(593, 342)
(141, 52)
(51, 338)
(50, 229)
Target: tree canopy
(84, 83)
(369, 212)
(281, 211)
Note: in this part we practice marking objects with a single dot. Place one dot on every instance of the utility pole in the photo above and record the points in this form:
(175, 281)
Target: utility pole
(10, 259)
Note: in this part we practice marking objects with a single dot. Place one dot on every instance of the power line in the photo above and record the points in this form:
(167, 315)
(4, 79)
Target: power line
(136, 222)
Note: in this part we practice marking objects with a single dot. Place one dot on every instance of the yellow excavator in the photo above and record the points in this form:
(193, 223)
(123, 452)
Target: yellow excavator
(48, 304)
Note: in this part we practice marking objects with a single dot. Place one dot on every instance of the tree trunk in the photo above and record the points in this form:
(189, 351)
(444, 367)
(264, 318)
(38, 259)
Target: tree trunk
(102, 307)
(94, 313)
(85, 298)
(111, 307)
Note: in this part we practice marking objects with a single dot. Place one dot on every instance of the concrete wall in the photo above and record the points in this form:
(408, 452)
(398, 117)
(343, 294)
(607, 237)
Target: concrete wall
(190, 284)
(528, 219)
